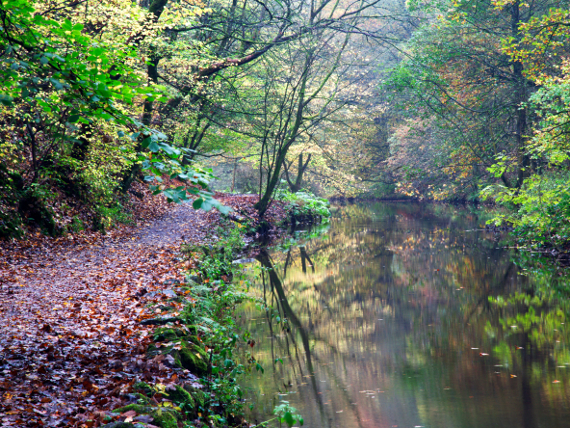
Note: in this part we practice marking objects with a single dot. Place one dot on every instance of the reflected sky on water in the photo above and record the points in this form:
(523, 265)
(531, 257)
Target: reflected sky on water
(407, 315)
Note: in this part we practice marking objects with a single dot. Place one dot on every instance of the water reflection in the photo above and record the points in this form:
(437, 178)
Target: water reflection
(408, 315)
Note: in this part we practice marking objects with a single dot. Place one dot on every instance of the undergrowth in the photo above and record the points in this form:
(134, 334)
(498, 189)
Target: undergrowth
(203, 338)
(538, 212)
(304, 205)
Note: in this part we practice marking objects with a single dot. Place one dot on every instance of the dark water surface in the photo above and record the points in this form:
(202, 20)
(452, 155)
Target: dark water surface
(407, 315)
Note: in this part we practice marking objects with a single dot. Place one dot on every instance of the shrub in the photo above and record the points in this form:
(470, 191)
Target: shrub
(304, 203)
(540, 210)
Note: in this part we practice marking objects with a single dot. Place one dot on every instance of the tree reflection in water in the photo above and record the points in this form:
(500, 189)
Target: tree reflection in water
(388, 319)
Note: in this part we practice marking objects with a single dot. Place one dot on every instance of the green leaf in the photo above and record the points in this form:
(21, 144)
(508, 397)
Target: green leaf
(66, 25)
(288, 419)
(167, 148)
(223, 209)
(171, 195)
(197, 203)
(6, 99)
(153, 147)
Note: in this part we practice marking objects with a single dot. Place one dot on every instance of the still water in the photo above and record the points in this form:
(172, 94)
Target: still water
(407, 315)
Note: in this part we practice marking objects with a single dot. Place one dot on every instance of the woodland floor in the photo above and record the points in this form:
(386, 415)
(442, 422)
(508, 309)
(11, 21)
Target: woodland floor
(71, 345)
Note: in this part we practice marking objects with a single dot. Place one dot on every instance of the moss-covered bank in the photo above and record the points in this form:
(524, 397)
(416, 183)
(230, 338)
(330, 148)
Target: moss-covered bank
(200, 338)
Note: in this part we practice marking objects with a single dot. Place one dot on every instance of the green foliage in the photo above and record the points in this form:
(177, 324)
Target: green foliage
(212, 313)
(10, 225)
(448, 126)
(107, 216)
(450, 141)
(163, 159)
(216, 257)
(206, 341)
(68, 99)
(287, 414)
(59, 74)
(63, 92)
(304, 203)
(539, 211)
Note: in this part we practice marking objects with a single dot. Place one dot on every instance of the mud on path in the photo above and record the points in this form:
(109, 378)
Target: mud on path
(71, 345)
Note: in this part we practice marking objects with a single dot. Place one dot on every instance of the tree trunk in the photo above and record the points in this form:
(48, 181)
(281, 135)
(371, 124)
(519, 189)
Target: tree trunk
(296, 185)
(234, 176)
(263, 203)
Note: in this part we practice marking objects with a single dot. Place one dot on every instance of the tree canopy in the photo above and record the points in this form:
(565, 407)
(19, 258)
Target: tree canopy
(447, 100)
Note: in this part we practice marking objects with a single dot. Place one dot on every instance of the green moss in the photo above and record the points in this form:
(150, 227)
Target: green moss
(143, 399)
(194, 339)
(167, 334)
(165, 418)
(143, 387)
(200, 397)
(139, 408)
(162, 417)
(189, 399)
(193, 329)
(152, 350)
(182, 397)
(192, 357)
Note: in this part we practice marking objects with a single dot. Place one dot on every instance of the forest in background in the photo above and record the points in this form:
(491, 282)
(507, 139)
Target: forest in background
(439, 100)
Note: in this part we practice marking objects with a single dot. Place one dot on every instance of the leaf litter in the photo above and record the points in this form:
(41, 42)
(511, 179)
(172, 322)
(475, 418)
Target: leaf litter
(72, 345)
(73, 308)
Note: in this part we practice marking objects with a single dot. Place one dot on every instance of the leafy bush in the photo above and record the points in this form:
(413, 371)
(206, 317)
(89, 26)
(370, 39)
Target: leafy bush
(287, 414)
(68, 99)
(540, 210)
(212, 313)
(304, 203)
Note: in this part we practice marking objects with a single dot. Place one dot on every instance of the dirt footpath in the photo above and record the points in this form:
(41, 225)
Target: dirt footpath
(71, 345)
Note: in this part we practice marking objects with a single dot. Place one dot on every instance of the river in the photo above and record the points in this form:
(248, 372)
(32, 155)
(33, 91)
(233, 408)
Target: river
(407, 315)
